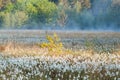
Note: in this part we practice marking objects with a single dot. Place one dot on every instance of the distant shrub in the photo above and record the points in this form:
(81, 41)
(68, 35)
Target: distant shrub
(54, 45)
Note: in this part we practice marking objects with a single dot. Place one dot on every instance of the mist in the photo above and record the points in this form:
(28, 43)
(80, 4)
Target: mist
(102, 15)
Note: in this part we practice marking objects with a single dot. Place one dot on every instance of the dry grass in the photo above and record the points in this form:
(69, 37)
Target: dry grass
(41, 60)
(19, 50)
(22, 60)
(2, 48)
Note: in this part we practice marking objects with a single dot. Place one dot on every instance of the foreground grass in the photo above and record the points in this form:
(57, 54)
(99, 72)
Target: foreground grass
(35, 63)
(52, 61)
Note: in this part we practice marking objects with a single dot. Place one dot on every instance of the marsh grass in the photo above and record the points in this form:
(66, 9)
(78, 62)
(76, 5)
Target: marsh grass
(50, 60)
(100, 47)
(32, 62)
(62, 67)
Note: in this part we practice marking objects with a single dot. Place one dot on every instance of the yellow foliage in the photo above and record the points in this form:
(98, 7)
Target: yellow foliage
(53, 44)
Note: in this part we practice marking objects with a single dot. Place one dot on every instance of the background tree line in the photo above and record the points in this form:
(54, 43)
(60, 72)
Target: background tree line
(80, 14)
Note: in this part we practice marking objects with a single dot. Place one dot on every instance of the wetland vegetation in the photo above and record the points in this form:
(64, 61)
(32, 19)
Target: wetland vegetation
(61, 56)
(64, 41)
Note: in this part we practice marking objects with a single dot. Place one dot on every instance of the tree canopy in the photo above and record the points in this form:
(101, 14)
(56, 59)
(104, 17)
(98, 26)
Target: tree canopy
(41, 13)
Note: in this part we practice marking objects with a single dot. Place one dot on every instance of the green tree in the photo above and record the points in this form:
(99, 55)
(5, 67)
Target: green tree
(14, 20)
(11, 16)
(42, 11)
